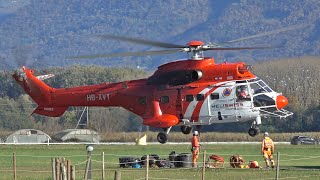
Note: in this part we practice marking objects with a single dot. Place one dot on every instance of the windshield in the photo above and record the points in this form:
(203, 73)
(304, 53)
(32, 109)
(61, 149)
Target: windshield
(256, 89)
(258, 86)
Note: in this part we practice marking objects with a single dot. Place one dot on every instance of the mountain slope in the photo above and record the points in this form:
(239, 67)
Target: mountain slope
(44, 33)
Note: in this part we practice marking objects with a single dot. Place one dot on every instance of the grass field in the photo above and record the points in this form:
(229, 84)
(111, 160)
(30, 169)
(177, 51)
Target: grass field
(34, 161)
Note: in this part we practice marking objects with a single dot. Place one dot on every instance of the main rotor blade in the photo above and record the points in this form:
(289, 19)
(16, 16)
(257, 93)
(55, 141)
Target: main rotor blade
(266, 33)
(146, 53)
(236, 48)
(142, 41)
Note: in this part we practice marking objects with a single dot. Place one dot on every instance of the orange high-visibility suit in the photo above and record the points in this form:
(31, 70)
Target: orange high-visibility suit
(267, 149)
(195, 149)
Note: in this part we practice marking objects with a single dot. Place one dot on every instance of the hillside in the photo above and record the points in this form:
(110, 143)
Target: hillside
(44, 33)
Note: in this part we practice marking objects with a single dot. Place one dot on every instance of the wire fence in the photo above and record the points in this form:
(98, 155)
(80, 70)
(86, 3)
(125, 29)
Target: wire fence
(105, 166)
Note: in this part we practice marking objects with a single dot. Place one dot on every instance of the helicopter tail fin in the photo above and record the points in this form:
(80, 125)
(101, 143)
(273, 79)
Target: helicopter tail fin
(39, 91)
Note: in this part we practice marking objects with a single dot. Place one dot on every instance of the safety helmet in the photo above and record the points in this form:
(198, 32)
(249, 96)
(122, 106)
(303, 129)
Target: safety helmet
(266, 134)
(195, 133)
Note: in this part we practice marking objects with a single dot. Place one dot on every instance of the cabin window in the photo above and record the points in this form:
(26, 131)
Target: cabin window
(243, 93)
(142, 100)
(214, 96)
(189, 98)
(164, 99)
(200, 97)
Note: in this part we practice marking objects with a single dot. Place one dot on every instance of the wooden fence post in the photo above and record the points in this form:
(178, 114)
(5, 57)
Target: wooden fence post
(14, 167)
(278, 162)
(147, 168)
(204, 165)
(68, 169)
(63, 169)
(117, 175)
(73, 173)
(53, 167)
(57, 168)
(87, 168)
(102, 175)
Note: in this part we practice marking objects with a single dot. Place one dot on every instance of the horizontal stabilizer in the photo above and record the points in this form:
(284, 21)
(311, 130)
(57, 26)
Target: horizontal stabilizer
(50, 111)
(43, 77)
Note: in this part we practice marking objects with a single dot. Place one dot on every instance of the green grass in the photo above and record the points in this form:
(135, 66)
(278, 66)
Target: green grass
(34, 161)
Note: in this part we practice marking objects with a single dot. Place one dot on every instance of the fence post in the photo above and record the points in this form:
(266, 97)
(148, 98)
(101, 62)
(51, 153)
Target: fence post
(68, 169)
(14, 167)
(63, 169)
(147, 168)
(278, 162)
(204, 165)
(73, 173)
(57, 168)
(87, 168)
(53, 166)
(102, 175)
(117, 175)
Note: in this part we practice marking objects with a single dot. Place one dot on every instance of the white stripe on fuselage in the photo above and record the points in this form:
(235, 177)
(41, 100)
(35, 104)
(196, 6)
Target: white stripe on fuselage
(194, 103)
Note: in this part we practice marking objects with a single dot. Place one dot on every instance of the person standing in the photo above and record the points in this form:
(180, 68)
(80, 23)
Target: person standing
(195, 148)
(267, 149)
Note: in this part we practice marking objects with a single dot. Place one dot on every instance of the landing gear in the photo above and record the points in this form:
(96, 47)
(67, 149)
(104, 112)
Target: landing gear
(162, 137)
(255, 130)
(186, 129)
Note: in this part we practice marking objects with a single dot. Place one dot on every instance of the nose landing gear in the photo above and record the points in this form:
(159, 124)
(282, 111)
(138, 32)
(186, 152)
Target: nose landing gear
(186, 129)
(255, 130)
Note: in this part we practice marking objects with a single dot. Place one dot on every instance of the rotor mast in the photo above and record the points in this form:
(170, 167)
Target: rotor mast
(195, 47)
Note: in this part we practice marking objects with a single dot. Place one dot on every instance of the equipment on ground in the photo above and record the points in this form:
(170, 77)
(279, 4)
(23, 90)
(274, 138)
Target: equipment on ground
(236, 161)
(253, 164)
(215, 161)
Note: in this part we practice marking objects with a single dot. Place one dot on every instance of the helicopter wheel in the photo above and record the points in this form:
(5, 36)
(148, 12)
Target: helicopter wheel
(162, 137)
(253, 131)
(186, 129)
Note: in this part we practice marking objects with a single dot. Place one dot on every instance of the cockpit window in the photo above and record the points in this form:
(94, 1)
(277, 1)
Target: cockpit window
(258, 86)
(263, 100)
(262, 84)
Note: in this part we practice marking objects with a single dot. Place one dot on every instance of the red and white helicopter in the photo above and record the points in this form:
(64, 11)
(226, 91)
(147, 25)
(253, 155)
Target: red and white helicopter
(186, 93)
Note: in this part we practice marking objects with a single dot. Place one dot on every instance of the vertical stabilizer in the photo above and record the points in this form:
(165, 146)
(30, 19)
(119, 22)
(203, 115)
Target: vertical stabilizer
(40, 92)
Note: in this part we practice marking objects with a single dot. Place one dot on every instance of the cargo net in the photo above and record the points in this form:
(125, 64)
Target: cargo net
(236, 161)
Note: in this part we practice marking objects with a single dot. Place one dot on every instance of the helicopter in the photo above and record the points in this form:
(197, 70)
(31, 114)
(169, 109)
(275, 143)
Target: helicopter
(188, 93)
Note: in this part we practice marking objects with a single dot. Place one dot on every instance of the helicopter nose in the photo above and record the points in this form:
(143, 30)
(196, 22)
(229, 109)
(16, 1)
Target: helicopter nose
(281, 101)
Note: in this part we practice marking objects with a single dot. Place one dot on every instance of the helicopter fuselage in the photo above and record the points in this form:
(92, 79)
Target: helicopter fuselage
(185, 93)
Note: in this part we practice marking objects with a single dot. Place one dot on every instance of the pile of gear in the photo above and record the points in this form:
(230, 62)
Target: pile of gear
(236, 161)
(174, 160)
(215, 161)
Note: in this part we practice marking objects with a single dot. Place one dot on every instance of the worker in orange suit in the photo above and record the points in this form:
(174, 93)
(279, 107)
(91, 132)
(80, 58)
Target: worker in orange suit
(267, 149)
(195, 148)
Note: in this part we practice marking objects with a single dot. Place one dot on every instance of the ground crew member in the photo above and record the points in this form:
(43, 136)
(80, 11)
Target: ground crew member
(195, 148)
(267, 149)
